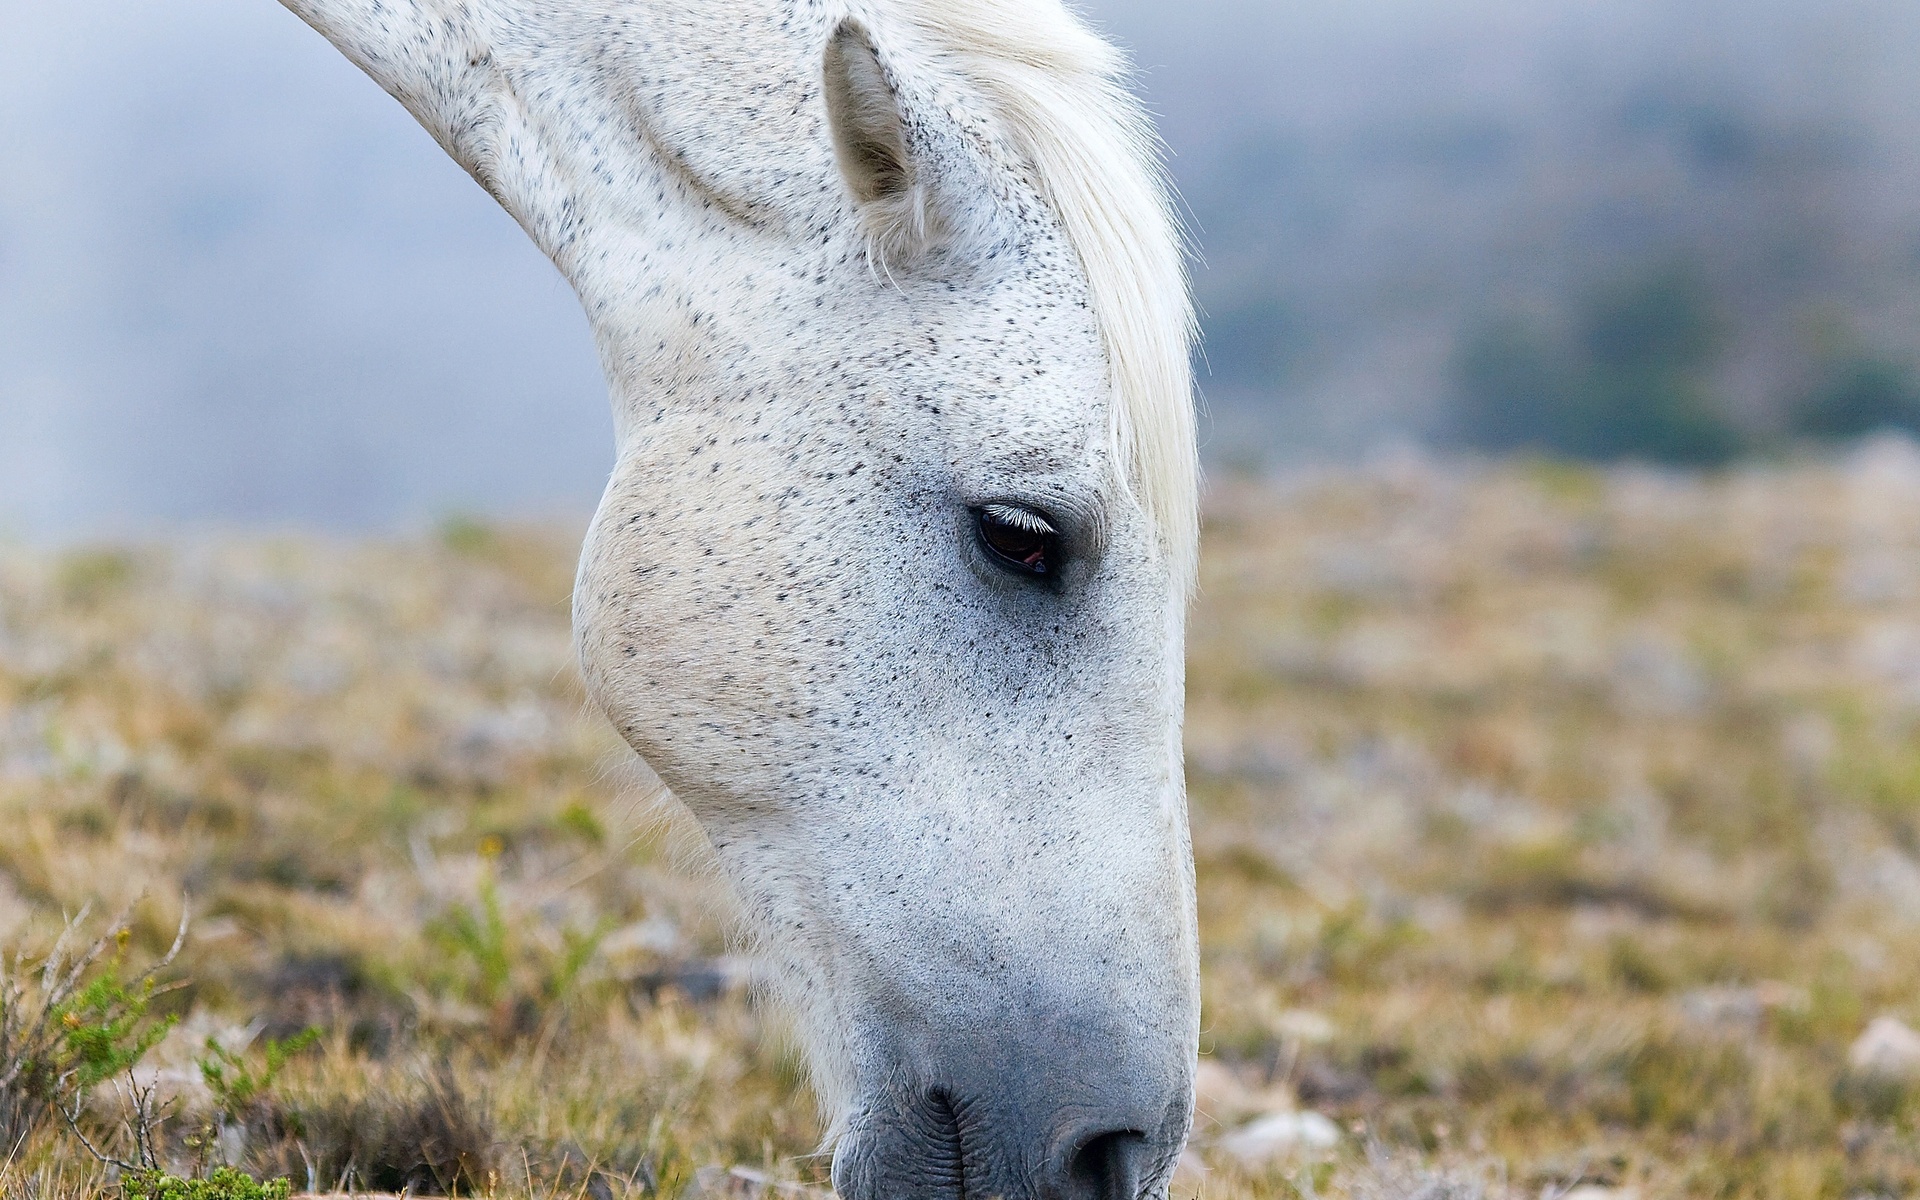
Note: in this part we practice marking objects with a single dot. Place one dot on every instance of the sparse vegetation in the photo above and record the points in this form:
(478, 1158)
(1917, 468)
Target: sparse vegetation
(1629, 381)
(1556, 827)
(1858, 396)
(222, 1183)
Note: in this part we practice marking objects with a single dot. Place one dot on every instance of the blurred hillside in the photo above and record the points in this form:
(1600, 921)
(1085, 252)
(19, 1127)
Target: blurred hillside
(1418, 220)
(237, 282)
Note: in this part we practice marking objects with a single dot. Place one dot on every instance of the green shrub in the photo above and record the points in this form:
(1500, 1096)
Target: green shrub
(224, 1183)
(235, 1084)
(107, 1027)
(1629, 381)
(1859, 396)
(75, 1023)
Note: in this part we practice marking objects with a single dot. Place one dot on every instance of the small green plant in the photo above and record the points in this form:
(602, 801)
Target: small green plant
(107, 1026)
(90, 1021)
(223, 1183)
(468, 536)
(234, 1082)
(107, 1029)
(577, 950)
(81, 1022)
(579, 820)
(240, 1083)
(509, 975)
(480, 936)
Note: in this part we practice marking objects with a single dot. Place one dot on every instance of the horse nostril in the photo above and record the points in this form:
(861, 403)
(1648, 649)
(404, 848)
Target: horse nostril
(945, 1149)
(1108, 1166)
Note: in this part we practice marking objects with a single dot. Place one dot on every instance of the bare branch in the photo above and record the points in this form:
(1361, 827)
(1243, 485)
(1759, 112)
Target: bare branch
(73, 1126)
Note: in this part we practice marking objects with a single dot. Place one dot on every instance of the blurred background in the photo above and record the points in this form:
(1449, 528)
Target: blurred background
(238, 284)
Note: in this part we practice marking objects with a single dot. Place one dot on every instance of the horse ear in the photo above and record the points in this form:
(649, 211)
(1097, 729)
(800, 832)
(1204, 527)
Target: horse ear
(902, 187)
(869, 134)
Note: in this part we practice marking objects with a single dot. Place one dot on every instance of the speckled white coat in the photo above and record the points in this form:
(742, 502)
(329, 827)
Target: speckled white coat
(950, 797)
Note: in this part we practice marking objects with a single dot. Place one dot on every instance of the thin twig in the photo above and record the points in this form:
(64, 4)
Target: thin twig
(52, 966)
(73, 1125)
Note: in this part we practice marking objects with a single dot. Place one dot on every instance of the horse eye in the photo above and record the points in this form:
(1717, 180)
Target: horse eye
(1018, 539)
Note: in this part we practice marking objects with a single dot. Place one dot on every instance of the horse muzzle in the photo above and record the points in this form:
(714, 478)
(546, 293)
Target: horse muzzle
(1045, 1113)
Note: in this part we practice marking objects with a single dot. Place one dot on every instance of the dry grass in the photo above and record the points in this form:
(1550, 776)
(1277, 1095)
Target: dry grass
(1555, 828)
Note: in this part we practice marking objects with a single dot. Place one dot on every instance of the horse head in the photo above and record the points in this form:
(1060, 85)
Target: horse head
(888, 585)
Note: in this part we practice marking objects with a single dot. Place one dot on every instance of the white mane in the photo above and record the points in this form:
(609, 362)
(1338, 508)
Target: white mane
(1059, 91)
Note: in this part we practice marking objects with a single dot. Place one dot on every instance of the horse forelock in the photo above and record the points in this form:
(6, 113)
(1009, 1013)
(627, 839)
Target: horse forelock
(1060, 96)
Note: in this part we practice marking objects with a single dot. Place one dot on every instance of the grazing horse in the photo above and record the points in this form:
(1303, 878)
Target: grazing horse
(889, 582)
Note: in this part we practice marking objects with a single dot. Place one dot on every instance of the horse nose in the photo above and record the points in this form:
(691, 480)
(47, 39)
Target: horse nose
(1108, 1165)
(1005, 1139)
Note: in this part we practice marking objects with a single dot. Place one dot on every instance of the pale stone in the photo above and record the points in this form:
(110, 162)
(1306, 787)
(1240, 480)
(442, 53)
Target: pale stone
(1740, 1007)
(1888, 1048)
(745, 1183)
(1303, 1025)
(1281, 1133)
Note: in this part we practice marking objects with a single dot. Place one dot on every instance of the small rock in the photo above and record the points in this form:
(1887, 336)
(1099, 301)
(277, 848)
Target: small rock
(701, 980)
(1736, 1007)
(657, 936)
(745, 1183)
(1303, 1025)
(1281, 1133)
(1593, 1191)
(1725, 1006)
(1888, 1048)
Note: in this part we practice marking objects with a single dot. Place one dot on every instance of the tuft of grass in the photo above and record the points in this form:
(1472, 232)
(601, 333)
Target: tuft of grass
(89, 577)
(423, 1135)
(513, 978)
(469, 536)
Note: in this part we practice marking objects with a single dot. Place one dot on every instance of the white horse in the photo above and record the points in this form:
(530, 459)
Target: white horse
(889, 583)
